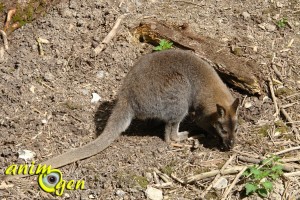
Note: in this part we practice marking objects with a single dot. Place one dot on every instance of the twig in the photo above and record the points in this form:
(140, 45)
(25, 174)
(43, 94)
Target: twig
(287, 150)
(289, 119)
(163, 176)
(273, 97)
(297, 173)
(181, 145)
(177, 179)
(217, 176)
(40, 47)
(285, 167)
(8, 18)
(292, 159)
(277, 72)
(232, 170)
(110, 35)
(233, 183)
(4, 37)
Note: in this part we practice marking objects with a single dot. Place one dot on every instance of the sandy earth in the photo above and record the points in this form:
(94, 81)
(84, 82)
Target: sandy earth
(46, 100)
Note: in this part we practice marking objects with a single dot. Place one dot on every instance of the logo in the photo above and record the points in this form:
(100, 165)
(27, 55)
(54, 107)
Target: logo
(50, 180)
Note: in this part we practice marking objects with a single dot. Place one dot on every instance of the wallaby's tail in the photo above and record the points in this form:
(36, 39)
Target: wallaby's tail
(117, 123)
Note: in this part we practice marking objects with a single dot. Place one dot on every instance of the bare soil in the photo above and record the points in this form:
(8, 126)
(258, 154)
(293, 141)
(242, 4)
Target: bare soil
(46, 100)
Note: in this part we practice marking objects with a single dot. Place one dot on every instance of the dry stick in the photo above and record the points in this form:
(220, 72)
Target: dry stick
(4, 37)
(285, 167)
(273, 97)
(277, 72)
(8, 18)
(289, 119)
(110, 35)
(218, 175)
(233, 183)
(232, 170)
(287, 150)
(297, 173)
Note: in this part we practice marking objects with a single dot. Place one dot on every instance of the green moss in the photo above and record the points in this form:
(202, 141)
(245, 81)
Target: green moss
(167, 170)
(281, 127)
(72, 105)
(283, 92)
(212, 195)
(2, 8)
(142, 181)
(264, 130)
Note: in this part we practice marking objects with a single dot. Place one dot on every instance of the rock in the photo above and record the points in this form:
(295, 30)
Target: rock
(270, 27)
(153, 193)
(95, 98)
(248, 105)
(120, 193)
(48, 76)
(221, 183)
(100, 74)
(246, 15)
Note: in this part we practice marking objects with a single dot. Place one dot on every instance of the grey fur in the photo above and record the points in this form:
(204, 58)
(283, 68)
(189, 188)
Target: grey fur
(165, 85)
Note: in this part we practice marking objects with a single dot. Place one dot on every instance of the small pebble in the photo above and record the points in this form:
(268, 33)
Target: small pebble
(153, 193)
(246, 15)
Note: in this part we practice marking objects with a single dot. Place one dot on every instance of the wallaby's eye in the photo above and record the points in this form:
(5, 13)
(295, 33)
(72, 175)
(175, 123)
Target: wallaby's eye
(224, 132)
(48, 181)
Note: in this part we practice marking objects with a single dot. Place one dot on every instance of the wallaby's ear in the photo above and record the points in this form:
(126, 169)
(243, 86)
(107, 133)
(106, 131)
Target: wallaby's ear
(235, 104)
(221, 111)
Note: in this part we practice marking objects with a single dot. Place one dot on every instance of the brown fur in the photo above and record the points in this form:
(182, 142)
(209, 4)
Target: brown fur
(165, 85)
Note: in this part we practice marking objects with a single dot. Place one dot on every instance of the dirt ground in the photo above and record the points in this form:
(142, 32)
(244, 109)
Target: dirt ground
(46, 100)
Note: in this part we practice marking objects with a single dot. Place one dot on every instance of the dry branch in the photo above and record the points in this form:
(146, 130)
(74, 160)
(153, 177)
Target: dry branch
(110, 35)
(234, 70)
(232, 170)
(287, 150)
(285, 167)
(218, 176)
(4, 38)
(233, 183)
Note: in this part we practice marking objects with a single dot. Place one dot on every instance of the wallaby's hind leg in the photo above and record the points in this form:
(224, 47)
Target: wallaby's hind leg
(172, 134)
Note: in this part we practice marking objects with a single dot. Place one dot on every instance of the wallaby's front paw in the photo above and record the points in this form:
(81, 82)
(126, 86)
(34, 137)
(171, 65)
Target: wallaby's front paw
(181, 136)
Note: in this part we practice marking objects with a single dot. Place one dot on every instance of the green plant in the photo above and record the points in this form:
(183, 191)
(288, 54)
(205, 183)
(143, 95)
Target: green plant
(260, 177)
(282, 22)
(163, 45)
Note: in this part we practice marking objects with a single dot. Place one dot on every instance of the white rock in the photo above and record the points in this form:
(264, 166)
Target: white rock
(91, 196)
(153, 193)
(270, 27)
(26, 154)
(95, 98)
(100, 74)
(246, 15)
(44, 121)
(31, 89)
(120, 193)
(248, 105)
(221, 183)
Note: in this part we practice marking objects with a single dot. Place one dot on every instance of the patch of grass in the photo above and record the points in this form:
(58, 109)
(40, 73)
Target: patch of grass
(282, 23)
(30, 11)
(280, 126)
(260, 178)
(142, 181)
(264, 130)
(2, 8)
(163, 45)
(167, 170)
(72, 105)
(283, 92)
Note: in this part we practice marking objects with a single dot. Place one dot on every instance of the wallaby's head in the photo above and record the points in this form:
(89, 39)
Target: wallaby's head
(225, 123)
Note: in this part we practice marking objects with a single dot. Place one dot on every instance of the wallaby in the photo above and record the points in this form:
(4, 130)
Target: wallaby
(165, 85)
